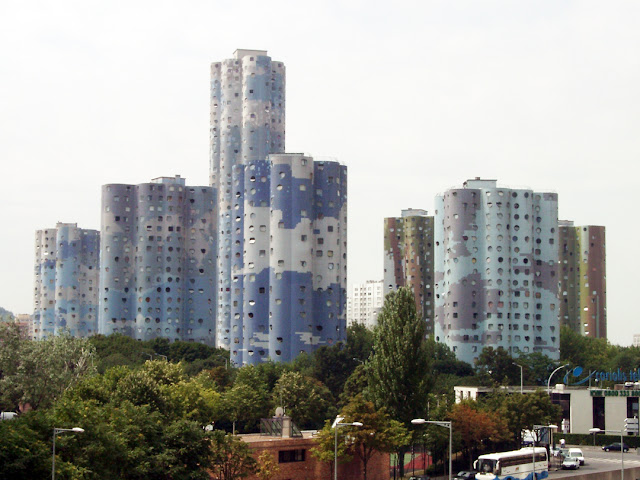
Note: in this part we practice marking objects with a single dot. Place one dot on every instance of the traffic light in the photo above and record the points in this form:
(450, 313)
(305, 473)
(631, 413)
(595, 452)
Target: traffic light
(631, 425)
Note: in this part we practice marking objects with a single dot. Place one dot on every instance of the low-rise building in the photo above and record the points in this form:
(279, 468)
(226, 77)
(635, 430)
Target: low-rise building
(291, 450)
(583, 407)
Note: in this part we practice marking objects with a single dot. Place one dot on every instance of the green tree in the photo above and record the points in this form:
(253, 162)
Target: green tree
(399, 371)
(355, 384)
(245, 404)
(379, 433)
(359, 341)
(23, 448)
(36, 373)
(332, 366)
(143, 423)
(306, 400)
(326, 447)
(267, 466)
(536, 368)
(118, 349)
(231, 457)
(522, 412)
(587, 352)
(446, 363)
(264, 375)
(498, 366)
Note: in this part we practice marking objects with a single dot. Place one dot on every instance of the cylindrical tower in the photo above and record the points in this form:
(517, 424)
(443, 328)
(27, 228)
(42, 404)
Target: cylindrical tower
(45, 278)
(196, 285)
(496, 251)
(247, 123)
(117, 305)
(159, 261)
(66, 287)
(76, 280)
(330, 258)
(253, 330)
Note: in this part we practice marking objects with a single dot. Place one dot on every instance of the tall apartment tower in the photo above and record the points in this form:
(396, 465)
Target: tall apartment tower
(247, 124)
(408, 258)
(158, 261)
(281, 221)
(582, 270)
(496, 270)
(66, 281)
(364, 303)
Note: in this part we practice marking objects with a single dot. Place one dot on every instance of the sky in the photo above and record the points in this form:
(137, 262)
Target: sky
(415, 97)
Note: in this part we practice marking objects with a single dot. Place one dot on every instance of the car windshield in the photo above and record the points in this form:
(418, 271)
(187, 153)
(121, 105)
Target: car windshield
(575, 454)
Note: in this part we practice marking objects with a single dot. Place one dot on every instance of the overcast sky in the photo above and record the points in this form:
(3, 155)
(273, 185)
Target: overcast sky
(414, 97)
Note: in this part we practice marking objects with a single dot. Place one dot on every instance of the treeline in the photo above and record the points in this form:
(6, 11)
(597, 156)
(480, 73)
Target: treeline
(163, 410)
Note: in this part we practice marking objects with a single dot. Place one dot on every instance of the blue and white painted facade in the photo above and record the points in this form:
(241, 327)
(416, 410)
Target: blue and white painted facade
(247, 124)
(496, 252)
(281, 222)
(66, 281)
(158, 260)
(289, 269)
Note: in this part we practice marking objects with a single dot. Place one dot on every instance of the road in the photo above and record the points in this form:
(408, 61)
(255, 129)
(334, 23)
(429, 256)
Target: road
(596, 460)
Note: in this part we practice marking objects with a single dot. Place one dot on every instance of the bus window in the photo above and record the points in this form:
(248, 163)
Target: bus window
(486, 465)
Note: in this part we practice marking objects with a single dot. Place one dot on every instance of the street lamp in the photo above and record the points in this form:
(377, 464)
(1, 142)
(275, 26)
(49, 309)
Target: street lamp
(226, 363)
(549, 381)
(521, 376)
(53, 457)
(336, 425)
(621, 432)
(422, 421)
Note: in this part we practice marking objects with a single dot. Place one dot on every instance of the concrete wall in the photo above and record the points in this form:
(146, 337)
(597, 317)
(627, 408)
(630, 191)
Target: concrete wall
(629, 473)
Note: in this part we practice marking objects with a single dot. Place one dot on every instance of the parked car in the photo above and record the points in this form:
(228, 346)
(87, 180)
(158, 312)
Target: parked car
(465, 475)
(570, 463)
(560, 452)
(615, 447)
(576, 453)
(420, 477)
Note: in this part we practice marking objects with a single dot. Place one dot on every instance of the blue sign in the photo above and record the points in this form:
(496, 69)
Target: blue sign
(614, 376)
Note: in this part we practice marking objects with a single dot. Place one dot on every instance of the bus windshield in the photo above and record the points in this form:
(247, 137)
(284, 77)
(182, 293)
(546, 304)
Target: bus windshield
(486, 465)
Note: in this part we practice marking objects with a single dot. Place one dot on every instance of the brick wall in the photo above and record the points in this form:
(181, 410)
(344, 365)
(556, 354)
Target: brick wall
(311, 468)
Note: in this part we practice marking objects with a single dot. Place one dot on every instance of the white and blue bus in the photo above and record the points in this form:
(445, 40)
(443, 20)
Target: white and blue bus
(514, 465)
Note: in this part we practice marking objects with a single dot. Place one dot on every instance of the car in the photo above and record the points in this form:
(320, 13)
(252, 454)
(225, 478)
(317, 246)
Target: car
(560, 452)
(576, 453)
(570, 463)
(420, 477)
(615, 447)
(466, 475)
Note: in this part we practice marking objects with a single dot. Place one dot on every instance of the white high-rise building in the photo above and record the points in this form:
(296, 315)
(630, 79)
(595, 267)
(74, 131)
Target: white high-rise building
(364, 302)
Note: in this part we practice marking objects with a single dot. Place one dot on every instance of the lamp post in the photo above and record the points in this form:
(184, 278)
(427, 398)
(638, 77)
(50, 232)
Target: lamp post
(226, 363)
(521, 376)
(549, 381)
(422, 421)
(621, 432)
(53, 457)
(336, 425)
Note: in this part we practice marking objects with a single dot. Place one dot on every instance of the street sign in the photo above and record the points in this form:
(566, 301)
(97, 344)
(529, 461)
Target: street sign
(631, 425)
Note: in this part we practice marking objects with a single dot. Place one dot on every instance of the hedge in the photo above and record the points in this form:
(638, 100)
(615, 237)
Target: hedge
(601, 439)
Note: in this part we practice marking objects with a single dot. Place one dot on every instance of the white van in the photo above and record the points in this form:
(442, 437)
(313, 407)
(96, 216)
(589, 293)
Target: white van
(576, 453)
